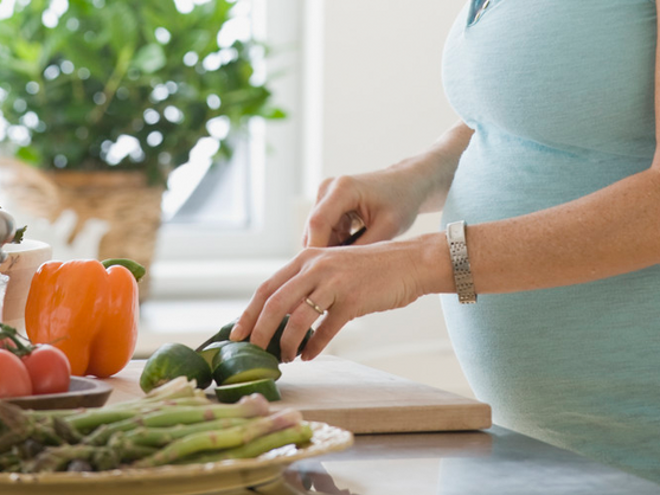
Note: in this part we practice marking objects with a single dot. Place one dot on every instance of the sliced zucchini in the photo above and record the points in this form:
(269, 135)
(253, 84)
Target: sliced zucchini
(233, 348)
(227, 350)
(221, 336)
(246, 367)
(173, 360)
(211, 351)
(233, 392)
(273, 346)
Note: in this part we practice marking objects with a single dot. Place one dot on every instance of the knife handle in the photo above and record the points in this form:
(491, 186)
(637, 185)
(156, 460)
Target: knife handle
(353, 237)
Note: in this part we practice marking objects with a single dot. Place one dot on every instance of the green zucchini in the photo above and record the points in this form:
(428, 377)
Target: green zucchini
(173, 360)
(274, 344)
(233, 392)
(210, 352)
(221, 336)
(246, 367)
(230, 349)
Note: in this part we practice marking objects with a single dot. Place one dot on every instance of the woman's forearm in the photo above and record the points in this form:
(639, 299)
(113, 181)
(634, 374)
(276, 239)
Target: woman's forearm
(434, 168)
(612, 231)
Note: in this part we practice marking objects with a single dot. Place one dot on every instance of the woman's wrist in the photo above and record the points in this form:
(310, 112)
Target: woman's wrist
(432, 171)
(424, 176)
(433, 264)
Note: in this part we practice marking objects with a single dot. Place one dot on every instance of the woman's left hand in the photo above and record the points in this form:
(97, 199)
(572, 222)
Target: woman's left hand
(343, 283)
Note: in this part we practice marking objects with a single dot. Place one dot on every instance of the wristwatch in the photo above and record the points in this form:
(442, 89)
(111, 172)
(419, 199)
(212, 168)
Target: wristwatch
(461, 262)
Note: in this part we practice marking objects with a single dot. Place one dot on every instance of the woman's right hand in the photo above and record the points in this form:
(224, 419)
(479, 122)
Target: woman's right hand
(388, 201)
(385, 202)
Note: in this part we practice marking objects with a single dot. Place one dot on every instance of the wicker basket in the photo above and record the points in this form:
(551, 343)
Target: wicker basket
(123, 199)
(27, 187)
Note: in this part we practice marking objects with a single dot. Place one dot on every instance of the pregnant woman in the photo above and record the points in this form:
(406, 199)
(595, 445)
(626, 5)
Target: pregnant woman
(547, 261)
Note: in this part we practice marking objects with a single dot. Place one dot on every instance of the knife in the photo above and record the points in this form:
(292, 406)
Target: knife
(353, 237)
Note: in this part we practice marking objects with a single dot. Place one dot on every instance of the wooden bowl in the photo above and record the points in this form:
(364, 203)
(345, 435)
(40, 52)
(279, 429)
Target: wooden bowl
(83, 392)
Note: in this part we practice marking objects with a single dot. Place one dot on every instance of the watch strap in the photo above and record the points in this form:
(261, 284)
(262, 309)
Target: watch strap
(461, 262)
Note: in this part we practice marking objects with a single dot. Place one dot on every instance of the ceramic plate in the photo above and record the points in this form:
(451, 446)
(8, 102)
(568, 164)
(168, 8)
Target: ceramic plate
(83, 392)
(191, 479)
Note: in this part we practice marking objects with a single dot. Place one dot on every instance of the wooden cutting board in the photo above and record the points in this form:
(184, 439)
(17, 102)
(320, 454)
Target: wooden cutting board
(355, 397)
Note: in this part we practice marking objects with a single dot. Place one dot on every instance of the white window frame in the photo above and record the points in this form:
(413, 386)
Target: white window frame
(198, 261)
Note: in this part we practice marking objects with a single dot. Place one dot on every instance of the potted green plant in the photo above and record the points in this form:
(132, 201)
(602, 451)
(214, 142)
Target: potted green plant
(111, 96)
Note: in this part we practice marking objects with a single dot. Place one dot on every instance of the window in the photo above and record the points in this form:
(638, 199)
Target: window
(246, 209)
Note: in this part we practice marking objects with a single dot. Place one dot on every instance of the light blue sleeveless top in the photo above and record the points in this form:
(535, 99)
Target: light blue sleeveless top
(560, 95)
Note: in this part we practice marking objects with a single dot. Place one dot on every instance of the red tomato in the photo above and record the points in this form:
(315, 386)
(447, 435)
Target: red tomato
(49, 370)
(7, 343)
(14, 377)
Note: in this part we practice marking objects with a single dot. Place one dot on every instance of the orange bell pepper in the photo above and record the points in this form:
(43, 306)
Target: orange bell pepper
(88, 309)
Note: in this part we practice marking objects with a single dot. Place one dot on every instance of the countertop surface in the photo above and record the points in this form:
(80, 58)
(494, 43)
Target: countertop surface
(492, 462)
(495, 461)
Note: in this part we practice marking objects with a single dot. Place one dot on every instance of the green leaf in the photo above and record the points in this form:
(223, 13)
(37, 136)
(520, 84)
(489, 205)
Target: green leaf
(27, 51)
(122, 25)
(273, 113)
(90, 59)
(116, 63)
(20, 235)
(29, 154)
(150, 58)
(19, 67)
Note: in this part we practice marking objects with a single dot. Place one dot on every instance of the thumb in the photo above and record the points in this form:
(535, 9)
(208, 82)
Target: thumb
(377, 232)
(324, 232)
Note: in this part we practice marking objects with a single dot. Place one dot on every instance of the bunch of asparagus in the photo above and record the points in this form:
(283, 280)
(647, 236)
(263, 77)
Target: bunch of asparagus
(173, 424)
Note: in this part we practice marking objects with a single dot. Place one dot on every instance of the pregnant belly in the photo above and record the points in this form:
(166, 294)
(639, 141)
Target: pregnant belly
(502, 176)
(569, 364)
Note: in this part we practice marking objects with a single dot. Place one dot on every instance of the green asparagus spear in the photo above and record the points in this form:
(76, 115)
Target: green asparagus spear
(50, 431)
(92, 418)
(101, 458)
(141, 407)
(179, 391)
(161, 436)
(299, 434)
(177, 388)
(221, 439)
(248, 407)
(173, 423)
(57, 459)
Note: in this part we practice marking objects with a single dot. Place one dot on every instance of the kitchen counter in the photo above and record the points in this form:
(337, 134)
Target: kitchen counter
(495, 461)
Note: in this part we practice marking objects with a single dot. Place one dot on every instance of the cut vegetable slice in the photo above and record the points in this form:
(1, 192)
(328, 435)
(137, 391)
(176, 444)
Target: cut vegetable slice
(246, 367)
(172, 360)
(232, 349)
(274, 344)
(233, 392)
(210, 352)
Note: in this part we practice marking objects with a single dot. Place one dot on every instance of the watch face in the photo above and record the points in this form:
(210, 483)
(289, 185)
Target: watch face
(455, 230)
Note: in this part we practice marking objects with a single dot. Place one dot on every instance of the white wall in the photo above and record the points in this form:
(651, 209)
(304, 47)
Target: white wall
(382, 87)
(378, 98)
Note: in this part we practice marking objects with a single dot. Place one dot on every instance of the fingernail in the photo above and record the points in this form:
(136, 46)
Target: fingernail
(236, 333)
(309, 355)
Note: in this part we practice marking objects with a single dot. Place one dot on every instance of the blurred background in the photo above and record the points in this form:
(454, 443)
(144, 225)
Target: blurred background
(226, 115)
